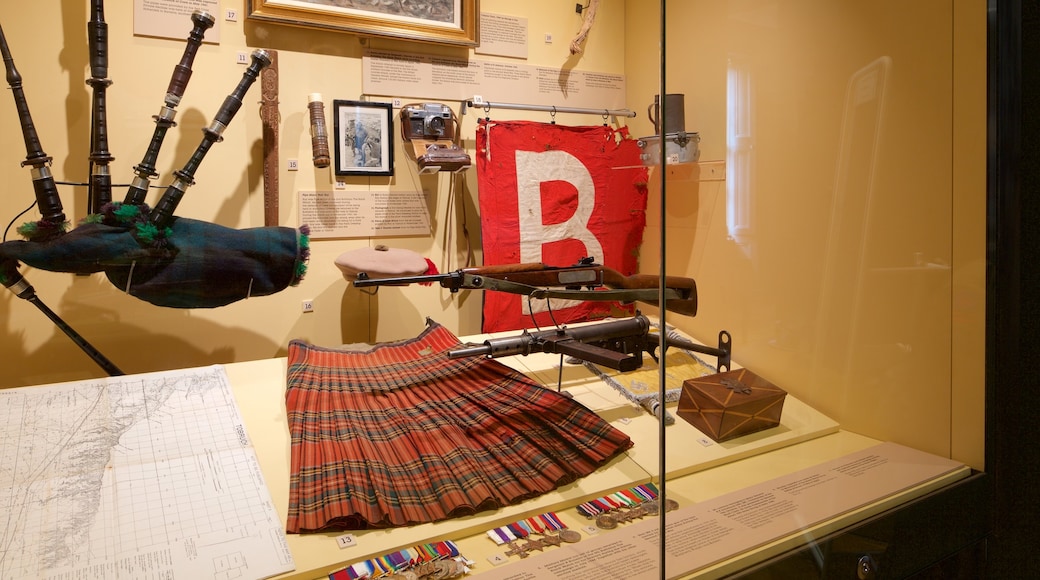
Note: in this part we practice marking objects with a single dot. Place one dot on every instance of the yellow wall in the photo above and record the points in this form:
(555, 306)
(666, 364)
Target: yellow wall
(853, 272)
(48, 41)
(871, 313)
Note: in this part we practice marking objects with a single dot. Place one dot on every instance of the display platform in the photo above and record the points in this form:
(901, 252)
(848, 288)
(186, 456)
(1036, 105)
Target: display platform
(260, 389)
(687, 449)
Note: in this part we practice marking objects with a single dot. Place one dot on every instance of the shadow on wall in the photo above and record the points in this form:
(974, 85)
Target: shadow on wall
(127, 331)
(358, 310)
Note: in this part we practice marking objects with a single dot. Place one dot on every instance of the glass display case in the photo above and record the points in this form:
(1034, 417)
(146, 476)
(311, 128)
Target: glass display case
(820, 169)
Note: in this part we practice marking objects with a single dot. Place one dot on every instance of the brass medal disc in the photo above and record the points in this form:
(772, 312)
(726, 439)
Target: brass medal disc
(570, 536)
(606, 522)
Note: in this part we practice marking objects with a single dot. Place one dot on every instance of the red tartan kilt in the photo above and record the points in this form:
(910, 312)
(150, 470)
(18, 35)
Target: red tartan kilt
(401, 435)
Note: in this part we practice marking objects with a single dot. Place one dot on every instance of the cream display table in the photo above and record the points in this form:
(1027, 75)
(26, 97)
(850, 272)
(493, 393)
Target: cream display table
(698, 470)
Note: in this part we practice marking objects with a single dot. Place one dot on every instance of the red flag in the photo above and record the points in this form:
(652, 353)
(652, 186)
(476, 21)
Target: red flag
(556, 194)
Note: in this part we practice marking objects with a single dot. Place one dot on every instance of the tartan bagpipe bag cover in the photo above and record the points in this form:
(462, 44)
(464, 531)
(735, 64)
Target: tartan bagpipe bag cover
(556, 194)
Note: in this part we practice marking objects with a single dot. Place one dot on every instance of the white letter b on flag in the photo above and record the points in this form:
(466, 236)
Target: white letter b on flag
(535, 168)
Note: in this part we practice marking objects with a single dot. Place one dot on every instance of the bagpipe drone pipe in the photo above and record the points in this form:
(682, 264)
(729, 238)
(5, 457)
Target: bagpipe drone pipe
(147, 252)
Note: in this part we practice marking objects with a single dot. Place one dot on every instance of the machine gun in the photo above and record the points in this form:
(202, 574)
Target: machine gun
(586, 280)
(616, 344)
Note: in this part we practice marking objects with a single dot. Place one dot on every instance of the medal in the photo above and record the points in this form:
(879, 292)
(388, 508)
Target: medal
(515, 550)
(624, 506)
(417, 563)
(551, 540)
(570, 536)
(534, 544)
(606, 522)
(635, 513)
(533, 534)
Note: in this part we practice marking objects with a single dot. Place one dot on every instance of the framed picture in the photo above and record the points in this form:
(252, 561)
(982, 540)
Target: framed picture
(438, 21)
(364, 137)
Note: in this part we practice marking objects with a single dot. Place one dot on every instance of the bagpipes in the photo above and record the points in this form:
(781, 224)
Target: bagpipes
(147, 252)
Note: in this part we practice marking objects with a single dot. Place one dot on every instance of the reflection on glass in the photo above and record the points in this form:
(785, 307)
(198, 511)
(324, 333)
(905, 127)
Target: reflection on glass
(845, 262)
(740, 154)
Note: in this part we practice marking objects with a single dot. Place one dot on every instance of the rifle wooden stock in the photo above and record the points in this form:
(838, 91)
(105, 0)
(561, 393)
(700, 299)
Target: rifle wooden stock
(686, 287)
(594, 276)
(578, 277)
(544, 276)
(504, 269)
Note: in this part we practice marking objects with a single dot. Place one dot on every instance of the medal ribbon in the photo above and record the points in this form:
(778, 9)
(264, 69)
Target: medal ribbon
(625, 498)
(396, 561)
(521, 529)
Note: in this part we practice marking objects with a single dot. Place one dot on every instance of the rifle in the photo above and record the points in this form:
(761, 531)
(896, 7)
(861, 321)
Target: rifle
(585, 280)
(616, 344)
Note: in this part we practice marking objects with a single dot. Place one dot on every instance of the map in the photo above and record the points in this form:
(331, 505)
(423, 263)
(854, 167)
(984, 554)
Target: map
(146, 476)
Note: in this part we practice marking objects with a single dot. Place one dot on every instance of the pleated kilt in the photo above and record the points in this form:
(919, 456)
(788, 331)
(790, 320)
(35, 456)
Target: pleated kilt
(401, 435)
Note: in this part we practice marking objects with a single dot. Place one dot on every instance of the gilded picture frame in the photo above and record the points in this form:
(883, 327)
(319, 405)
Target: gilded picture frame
(451, 22)
(364, 137)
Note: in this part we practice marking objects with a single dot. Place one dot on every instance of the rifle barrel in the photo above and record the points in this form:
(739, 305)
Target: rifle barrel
(468, 351)
(445, 280)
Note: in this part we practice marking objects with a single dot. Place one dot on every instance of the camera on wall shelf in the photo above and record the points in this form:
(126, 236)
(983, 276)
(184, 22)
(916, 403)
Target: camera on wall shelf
(429, 121)
(433, 131)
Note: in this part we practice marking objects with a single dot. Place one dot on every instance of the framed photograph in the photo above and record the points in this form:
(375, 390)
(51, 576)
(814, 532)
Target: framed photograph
(364, 137)
(452, 22)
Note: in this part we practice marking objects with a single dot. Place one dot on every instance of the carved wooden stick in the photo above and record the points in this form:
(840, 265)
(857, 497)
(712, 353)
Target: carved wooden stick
(271, 118)
(586, 26)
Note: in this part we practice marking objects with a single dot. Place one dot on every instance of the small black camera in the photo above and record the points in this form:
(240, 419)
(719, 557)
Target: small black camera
(431, 121)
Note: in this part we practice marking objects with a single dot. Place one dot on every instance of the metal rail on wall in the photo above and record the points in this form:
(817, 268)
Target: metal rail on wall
(486, 106)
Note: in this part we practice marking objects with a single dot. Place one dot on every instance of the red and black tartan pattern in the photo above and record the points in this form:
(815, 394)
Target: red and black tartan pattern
(401, 435)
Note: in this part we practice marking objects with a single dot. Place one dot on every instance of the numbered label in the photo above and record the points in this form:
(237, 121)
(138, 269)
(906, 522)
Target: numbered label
(346, 541)
(497, 559)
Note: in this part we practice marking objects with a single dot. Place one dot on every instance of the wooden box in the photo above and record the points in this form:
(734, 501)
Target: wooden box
(730, 404)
